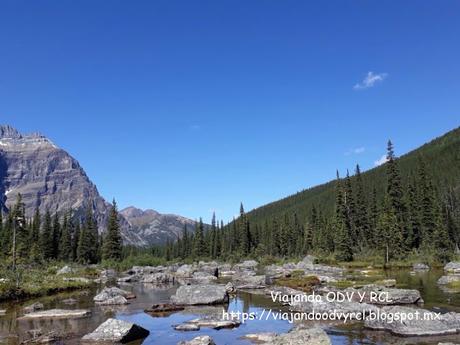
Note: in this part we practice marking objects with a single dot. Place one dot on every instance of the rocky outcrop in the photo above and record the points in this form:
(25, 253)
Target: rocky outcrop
(200, 294)
(158, 278)
(116, 331)
(245, 281)
(58, 314)
(425, 324)
(448, 279)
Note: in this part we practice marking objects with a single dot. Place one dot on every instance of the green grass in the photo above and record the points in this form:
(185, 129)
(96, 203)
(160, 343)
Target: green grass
(34, 282)
(303, 283)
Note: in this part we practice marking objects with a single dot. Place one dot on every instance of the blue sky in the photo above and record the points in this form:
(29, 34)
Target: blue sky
(193, 106)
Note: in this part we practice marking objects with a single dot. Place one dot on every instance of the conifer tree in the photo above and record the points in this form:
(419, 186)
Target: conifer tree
(112, 248)
(343, 241)
(389, 233)
(199, 248)
(55, 236)
(65, 244)
(244, 232)
(362, 215)
(46, 237)
(20, 245)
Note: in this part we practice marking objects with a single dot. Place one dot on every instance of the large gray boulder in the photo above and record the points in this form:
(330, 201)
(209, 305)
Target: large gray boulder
(452, 267)
(301, 336)
(116, 331)
(200, 294)
(203, 277)
(425, 324)
(185, 271)
(448, 279)
(112, 296)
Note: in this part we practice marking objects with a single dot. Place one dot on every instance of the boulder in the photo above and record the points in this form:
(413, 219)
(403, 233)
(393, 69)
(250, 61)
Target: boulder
(108, 274)
(263, 337)
(302, 336)
(248, 265)
(58, 314)
(214, 322)
(33, 307)
(452, 267)
(200, 294)
(65, 270)
(386, 283)
(186, 327)
(113, 295)
(230, 287)
(116, 331)
(185, 271)
(163, 309)
(381, 295)
(201, 340)
(203, 277)
(451, 278)
(245, 281)
(427, 323)
(420, 267)
(275, 271)
(158, 278)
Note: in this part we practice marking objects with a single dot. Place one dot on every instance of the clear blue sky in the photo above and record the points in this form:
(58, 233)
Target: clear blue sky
(193, 106)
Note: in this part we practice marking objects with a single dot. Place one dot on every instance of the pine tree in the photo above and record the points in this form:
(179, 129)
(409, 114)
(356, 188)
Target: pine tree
(363, 227)
(112, 249)
(343, 239)
(46, 237)
(199, 247)
(55, 236)
(442, 242)
(20, 246)
(65, 244)
(244, 232)
(390, 238)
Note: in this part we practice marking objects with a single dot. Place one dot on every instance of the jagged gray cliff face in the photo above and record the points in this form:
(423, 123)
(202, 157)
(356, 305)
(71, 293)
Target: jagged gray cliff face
(155, 227)
(48, 177)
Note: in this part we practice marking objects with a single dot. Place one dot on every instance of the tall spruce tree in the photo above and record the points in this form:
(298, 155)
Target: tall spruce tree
(343, 240)
(46, 237)
(65, 243)
(112, 248)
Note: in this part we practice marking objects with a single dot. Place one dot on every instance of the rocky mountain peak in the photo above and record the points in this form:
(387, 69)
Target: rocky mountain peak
(6, 131)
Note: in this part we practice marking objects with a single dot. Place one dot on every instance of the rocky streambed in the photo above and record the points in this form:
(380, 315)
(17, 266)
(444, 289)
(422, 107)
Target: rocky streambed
(187, 304)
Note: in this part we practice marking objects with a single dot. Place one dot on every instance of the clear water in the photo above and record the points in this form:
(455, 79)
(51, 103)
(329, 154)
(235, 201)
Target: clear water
(14, 330)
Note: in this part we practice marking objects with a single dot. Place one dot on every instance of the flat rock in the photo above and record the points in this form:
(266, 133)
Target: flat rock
(69, 301)
(203, 277)
(200, 294)
(215, 323)
(116, 331)
(163, 309)
(58, 314)
(263, 337)
(302, 336)
(115, 300)
(450, 278)
(428, 323)
(186, 327)
(201, 340)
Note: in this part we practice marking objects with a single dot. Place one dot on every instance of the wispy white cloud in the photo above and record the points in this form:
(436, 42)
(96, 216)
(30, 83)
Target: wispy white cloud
(381, 160)
(370, 80)
(355, 151)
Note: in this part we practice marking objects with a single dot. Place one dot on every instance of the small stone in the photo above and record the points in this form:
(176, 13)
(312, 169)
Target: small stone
(201, 340)
(186, 327)
(116, 331)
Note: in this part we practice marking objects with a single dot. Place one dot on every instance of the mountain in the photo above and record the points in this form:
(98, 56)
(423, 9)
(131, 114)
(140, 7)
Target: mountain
(442, 159)
(155, 227)
(50, 178)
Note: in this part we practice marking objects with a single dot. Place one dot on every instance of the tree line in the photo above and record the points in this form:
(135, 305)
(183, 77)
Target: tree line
(410, 217)
(47, 237)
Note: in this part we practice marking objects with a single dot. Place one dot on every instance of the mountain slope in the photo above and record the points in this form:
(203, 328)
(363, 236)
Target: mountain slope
(48, 177)
(155, 227)
(442, 158)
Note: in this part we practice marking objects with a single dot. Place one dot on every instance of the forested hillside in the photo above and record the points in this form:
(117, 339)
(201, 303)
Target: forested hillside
(409, 205)
(442, 161)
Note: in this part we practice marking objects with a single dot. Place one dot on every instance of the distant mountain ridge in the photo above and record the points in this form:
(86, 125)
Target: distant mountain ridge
(48, 177)
(154, 226)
